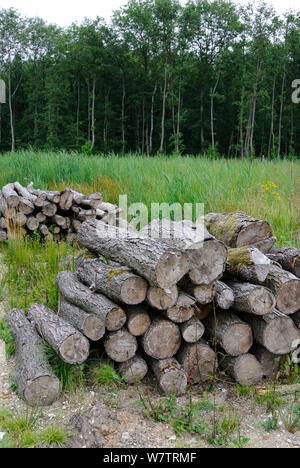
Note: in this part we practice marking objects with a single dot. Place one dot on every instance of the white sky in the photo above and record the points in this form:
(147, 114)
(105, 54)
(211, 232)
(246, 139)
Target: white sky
(64, 12)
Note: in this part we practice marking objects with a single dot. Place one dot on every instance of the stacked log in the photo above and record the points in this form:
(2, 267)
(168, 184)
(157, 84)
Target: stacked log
(54, 215)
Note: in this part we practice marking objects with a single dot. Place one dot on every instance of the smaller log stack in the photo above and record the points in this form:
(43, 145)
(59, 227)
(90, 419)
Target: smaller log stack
(169, 302)
(55, 215)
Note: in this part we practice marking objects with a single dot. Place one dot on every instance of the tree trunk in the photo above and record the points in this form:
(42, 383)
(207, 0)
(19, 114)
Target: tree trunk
(118, 283)
(170, 375)
(120, 346)
(152, 120)
(133, 370)
(68, 343)
(223, 295)
(288, 258)
(253, 299)
(198, 360)
(12, 128)
(245, 369)
(12, 199)
(93, 114)
(163, 117)
(162, 339)
(36, 382)
(75, 292)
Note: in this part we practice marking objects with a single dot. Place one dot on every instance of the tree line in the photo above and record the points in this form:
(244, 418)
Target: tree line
(209, 77)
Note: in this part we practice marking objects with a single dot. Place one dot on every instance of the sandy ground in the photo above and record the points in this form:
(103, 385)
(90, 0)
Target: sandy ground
(114, 418)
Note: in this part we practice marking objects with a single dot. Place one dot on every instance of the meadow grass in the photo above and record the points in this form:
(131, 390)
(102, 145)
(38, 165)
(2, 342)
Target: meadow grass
(264, 189)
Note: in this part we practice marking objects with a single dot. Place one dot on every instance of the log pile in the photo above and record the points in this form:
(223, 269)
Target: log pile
(175, 303)
(54, 215)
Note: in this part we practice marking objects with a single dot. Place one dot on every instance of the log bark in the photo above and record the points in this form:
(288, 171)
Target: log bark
(248, 263)
(138, 319)
(252, 298)
(286, 288)
(192, 330)
(152, 259)
(296, 318)
(198, 361)
(237, 229)
(270, 363)
(3, 235)
(207, 255)
(204, 293)
(94, 303)
(66, 200)
(24, 192)
(183, 310)
(288, 258)
(68, 343)
(223, 295)
(3, 223)
(275, 331)
(3, 205)
(36, 382)
(118, 283)
(171, 376)
(120, 346)
(90, 325)
(244, 369)
(162, 299)
(230, 332)
(162, 339)
(11, 197)
(133, 370)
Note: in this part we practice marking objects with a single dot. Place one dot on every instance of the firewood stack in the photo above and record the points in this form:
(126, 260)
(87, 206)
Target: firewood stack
(54, 215)
(177, 300)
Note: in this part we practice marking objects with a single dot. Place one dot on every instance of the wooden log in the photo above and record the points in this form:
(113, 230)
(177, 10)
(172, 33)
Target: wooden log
(76, 224)
(198, 360)
(69, 344)
(296, 318)
(244, 369)
(207, 255)
(90, 325)
(252, 298)
(270, 363)
(83, 215)
(133, 370)
(49, 209)
(40, 217)
(118, 283)
(162, 299)
(20, 219)
(183, 310)
(11, 197)
(204, 293)
(248, 263)
(202, 311)
(3, 235)
(237, 229)
(53, 196)
(160, 265)
(171, 376)
(138, 319)
(3, 223)
(61, 221)
(230, 332)
(288, 258)
(162, 339)
(3, 205)
(286, 288)
(66, 199)
(24, 193)
(45, 232)
(276, 332)
(192, 330)
(94, 303)
(266, 245)
(35, 380)
(32, 223)
(110, 208)
(223, 295)
(120, 346)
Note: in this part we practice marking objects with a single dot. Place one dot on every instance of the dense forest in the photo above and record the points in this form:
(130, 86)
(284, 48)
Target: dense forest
(208, 77)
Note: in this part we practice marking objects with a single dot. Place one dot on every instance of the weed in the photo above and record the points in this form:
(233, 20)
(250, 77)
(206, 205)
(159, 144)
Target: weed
(6, 336)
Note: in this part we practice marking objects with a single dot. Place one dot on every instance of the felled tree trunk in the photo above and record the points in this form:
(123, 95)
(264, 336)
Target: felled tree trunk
(133, 370)
(207, 255)
(162, 299)
(270, 363)
(252, 298)
(69, 344)
(198, 360)
(118, 283)
(204, 293)
(162, 339)
(248, 263)
(244, 369)
(90, 325)
(77, 293)
(231, 333)
(237, 229)
(171, 376)
(120, 346)
(183, 310)
(36, 382)
(275, 331)
(138, 319)
(288, 258)
(286, 288)
(192, 330)
(223, 295)
(160, 265)
(12, 199)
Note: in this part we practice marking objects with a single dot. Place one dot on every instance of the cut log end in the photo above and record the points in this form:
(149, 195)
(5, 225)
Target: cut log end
(42, 391)
(134, 290)
(256, 231)
(134, 370)
(75, 349)
(237, 339)
(115, 319)
(162, 299)
(208, 263)
(120, 346)
(198, 360)
(162, 339)
(288, 297)
(245, 369)
(172, 266)
(279, 336)
(93, 328)
(171, 376)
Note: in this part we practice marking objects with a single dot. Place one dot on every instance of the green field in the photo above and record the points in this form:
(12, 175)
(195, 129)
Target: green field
(268, 190)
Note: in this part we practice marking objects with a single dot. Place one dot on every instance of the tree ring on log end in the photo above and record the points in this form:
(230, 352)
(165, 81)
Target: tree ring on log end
(162, 339)
(94, 328)
(237, 339)
(248, 370)
(172, 266)
(115, 319)
(42, 391)
(75, 349)
(134, 291)
(288, 297)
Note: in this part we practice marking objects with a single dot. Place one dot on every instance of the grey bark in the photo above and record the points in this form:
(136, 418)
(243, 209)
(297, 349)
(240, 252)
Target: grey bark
(252, 298)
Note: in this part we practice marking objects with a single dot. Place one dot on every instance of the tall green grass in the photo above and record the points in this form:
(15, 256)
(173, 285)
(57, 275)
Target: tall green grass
(222, 185)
